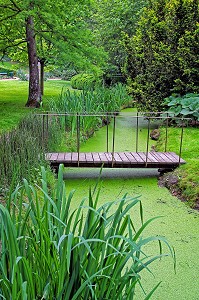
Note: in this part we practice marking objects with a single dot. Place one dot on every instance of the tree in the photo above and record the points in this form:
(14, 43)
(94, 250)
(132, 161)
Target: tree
(163, 54)
(113, 19)
(60, 26)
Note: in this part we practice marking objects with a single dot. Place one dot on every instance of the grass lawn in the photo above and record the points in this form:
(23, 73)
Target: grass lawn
(14, 95)
(188, 174)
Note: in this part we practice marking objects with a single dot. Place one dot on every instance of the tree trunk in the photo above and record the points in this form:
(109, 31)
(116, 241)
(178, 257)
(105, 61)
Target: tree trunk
(42, 64)
(34, 97)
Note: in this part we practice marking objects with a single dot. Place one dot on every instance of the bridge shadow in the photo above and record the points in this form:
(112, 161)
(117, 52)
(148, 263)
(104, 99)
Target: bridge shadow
(74, 173)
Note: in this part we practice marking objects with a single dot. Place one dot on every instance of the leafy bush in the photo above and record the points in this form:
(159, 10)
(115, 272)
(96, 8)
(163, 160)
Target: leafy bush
(162, 56)
(185, 106)
(50, 251)
(22, 75)
(65, 74)
(8, 72)
(81, 81)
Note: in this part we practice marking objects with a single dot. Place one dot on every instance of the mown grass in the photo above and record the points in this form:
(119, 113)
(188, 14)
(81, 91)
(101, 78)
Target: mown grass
(14, 95)
(188, 174)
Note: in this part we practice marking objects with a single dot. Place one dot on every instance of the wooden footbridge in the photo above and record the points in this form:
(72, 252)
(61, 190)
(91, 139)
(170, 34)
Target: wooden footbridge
(113, 159)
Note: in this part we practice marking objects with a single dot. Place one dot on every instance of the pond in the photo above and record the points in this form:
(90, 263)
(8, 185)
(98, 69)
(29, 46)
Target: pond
(179, 224)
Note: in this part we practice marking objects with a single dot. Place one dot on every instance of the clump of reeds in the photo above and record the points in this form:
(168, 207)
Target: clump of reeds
(50, 251)
(89, 101)
(22, 150)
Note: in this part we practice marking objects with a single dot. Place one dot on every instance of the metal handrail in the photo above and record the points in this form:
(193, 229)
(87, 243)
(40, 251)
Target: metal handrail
(45, 126)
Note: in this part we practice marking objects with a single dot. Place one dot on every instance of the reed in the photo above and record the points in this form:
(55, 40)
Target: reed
(90, 101)
(50, 251)
(22, 150)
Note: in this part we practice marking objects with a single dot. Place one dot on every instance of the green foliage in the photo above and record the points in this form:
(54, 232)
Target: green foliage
(63, 73)
(49, 251)
(22, 149)
(22, 75)
(113, 19)
(81, 81)
(60, 40)
(163, 54)
(188, 175)
(186, 106)
(8, 72)
(88, 101)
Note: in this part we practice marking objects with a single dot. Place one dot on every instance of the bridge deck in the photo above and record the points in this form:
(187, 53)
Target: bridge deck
(167, 160)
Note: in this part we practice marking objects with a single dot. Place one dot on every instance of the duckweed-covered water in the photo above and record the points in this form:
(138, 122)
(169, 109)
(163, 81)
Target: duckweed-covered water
(179, 224)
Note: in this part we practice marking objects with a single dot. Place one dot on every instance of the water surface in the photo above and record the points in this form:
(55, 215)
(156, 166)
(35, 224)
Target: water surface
(179, 224)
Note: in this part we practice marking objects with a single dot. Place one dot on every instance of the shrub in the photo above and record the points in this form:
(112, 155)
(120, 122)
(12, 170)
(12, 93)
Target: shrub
(49, 251)
(81, 81)
(184, 106)
(22, 75)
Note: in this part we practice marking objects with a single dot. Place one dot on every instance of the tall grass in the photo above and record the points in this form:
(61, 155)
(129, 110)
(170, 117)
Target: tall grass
(22, 150)
(88, 101)
(49, 251)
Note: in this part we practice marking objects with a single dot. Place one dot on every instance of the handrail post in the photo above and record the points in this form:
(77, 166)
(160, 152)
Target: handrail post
(181, 139)
(137, 126)
(166, 138)
(147, 146)
(47, 128)
(78, 138)
(65, 121)
(43, 130)
(107, 137)
(113, 145)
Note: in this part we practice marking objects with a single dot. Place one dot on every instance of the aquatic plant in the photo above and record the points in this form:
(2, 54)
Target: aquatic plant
(50, 251)
(22, 149)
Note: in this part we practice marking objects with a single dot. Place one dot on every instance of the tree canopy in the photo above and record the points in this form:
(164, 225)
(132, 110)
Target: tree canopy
(163, 55)
(52, 31)
(153, 42)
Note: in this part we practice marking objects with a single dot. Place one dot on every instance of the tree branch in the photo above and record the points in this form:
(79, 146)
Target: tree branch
(9, 17)
(15, 5)
(8, 7)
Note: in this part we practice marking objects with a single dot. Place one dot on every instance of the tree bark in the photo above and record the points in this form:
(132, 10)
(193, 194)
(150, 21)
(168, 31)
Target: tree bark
(42, 64)
(34, 97)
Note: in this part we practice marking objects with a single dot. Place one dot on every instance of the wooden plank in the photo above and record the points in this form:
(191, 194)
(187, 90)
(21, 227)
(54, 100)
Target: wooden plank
(175, 156)
(143, 156)
(74, 157)
(61, 157)
(48, 156)
(108, 156)
(137, 157)
(103, 157)
(82, 157)
(120, 159)
(96, 158)
(131, 158)
(152, 158)
(54, 157)
(117, 158)
(124, 158)
(165, 158)
(89, 158)
(68, 157)
(157, 156)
